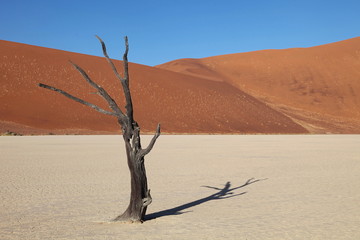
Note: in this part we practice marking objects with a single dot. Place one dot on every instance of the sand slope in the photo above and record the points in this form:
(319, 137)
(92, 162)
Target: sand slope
(69, 187)
(181, 103)
(317, 86)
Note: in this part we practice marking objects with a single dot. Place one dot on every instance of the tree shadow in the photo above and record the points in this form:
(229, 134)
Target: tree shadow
(223, 193)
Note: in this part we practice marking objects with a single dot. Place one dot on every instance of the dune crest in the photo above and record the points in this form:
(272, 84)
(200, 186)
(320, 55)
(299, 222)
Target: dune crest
(317, 86)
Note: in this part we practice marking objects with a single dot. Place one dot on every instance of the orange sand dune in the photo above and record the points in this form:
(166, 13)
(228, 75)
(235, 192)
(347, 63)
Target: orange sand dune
(180, 102)
(317, 87)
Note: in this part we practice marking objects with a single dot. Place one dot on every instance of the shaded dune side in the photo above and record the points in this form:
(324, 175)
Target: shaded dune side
(181, 103)
(317, 87)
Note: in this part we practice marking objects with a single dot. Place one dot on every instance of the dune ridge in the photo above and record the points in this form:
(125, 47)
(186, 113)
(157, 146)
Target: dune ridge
(317, 86)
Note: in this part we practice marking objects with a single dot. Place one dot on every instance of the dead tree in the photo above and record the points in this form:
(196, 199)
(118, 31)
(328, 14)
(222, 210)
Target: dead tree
(140, 196)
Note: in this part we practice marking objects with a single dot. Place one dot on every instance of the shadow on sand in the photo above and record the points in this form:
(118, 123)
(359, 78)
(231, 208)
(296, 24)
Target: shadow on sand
(226, 192)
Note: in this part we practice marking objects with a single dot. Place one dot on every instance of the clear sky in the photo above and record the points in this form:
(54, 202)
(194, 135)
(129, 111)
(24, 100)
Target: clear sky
(163, 30)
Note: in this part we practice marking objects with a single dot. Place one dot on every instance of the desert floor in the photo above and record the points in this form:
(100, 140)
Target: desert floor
(71, 187)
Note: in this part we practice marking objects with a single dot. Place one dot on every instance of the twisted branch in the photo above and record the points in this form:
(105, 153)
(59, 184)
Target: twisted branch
(124, 80)
(112, 104)
(78, 100)
(145, 151)
(129, 126)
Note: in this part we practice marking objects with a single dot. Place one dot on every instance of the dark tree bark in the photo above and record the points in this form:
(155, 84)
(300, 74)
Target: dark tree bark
(140, 196)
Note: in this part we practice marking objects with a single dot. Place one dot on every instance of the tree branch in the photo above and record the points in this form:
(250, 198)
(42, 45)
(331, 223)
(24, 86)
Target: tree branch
(78, 100)
(124, 81)
(145, 151)
(101, 91)
(108, 59)
(125, 61)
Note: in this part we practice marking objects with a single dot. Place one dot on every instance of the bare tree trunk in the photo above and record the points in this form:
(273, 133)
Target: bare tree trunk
(140, 196)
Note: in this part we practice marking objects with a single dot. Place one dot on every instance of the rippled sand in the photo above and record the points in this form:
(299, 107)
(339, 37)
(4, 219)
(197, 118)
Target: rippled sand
(203, 187)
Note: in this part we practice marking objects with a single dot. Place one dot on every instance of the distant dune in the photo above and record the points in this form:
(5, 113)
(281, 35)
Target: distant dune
(317, 87)
(274, 91)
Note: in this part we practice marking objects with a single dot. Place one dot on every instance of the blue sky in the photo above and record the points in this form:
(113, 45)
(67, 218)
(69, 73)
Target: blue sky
(163, 30)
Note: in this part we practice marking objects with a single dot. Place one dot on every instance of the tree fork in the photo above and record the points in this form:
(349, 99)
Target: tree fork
(140, 197)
